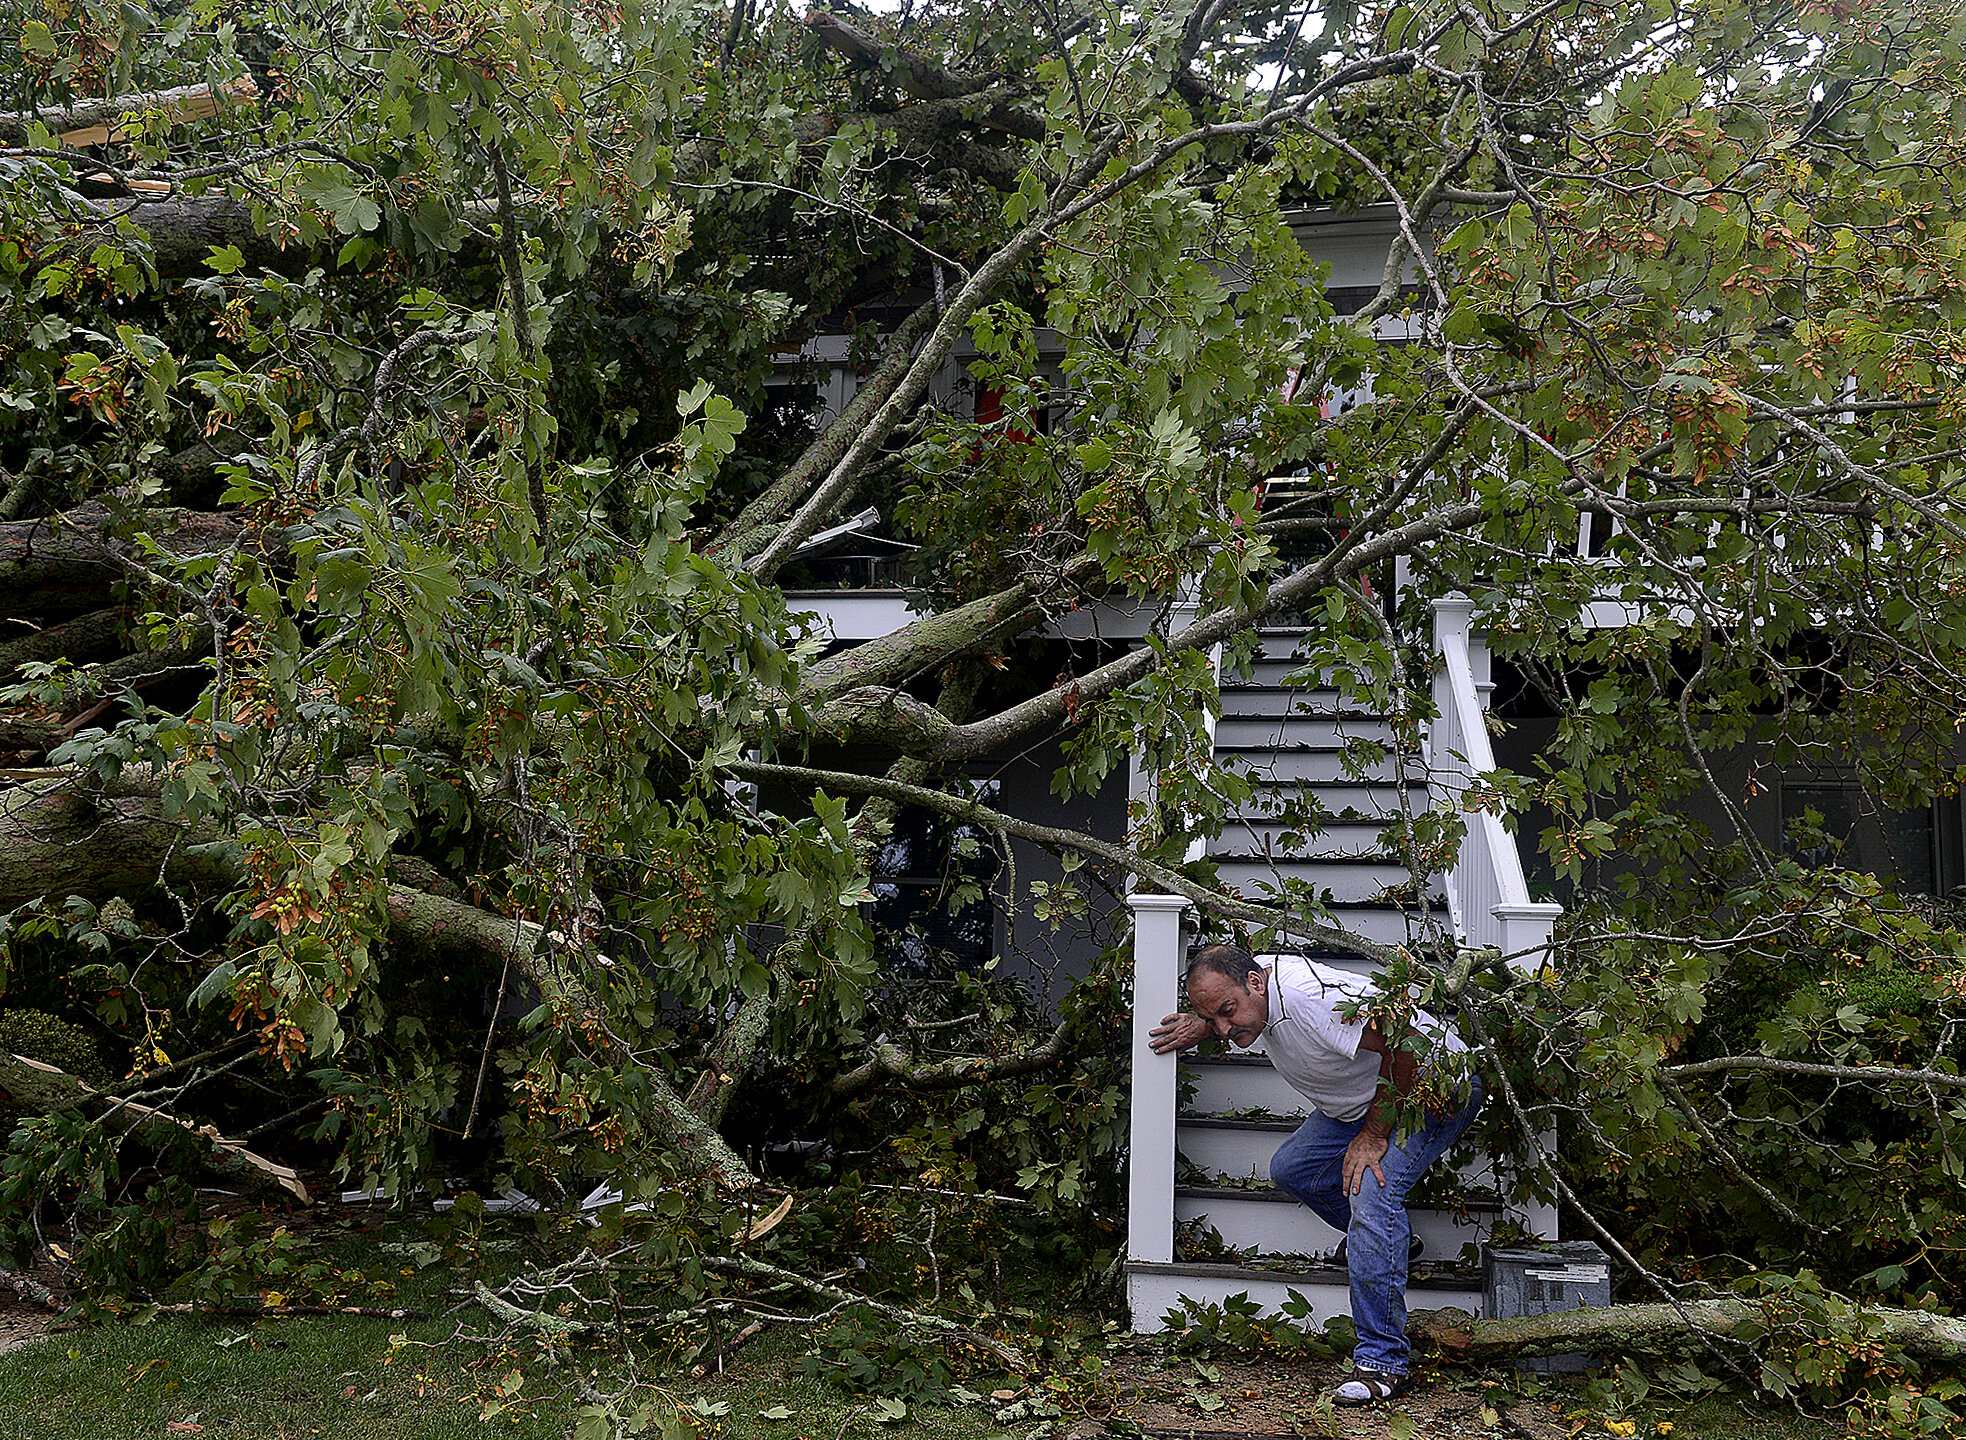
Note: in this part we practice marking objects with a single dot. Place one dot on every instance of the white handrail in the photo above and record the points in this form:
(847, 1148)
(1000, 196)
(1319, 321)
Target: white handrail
(1487, 894)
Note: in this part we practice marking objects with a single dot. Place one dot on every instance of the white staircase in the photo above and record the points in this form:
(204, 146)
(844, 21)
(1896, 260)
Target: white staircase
(1204, 1221)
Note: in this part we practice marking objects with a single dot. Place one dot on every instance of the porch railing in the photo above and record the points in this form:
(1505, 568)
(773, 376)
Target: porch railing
(1487, 895)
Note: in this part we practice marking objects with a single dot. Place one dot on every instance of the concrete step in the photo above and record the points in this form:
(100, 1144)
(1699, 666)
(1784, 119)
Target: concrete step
(1270, 1222)
(1152, 1290)
(1319, 732)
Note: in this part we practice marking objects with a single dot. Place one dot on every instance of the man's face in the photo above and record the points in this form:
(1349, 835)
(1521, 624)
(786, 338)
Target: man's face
(1234, 1012)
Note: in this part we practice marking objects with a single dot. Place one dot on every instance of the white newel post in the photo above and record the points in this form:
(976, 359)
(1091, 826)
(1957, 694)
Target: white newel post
(1526, 933)
(1526, 940)
(1156, 993)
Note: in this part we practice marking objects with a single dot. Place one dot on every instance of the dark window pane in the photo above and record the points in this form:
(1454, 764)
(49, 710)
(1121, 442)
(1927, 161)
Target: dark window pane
(1897, 846)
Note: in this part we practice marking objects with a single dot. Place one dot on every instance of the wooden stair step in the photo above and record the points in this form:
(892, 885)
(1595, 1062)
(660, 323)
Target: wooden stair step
(1153, 1289)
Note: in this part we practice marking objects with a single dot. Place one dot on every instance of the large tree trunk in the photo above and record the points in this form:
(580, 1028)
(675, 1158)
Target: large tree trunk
(1655, 1328)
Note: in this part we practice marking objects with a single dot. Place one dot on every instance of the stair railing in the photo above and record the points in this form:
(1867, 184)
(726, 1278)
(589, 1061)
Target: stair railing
(1487, 894)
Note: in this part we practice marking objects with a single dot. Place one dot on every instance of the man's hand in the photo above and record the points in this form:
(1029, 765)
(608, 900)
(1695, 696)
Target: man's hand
(1363, 1154)
(1178, 1032)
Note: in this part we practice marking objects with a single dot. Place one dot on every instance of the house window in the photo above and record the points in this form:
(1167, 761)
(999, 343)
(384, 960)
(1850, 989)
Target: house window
(933, 908)
(1901, 847)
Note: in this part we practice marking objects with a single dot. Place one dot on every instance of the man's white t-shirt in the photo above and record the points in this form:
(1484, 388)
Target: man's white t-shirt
(1318, 1053)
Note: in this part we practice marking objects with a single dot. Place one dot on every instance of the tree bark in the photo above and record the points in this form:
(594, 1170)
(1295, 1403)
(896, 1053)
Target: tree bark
(87, 637)
(762, 514)
(1652, 1328)
(186, 102)
(58, 565)
(184, 232)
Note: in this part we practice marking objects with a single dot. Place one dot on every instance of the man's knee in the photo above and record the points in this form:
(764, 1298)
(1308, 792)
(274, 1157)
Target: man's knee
(1305, 1175)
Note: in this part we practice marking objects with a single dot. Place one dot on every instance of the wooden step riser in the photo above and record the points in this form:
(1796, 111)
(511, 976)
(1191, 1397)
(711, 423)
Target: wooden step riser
(1353, 803)
(1342, 881)
(1275, 1227)
(1238, 1153)
(1257, 833)
(1262, 880)
(1273, 697)
(1270, 762)
(1223, 1088)
(1234, 1153)
(1151, 1295)
(1289, 728)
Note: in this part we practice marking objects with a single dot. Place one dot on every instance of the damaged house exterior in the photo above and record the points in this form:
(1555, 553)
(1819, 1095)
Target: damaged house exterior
(1203, 1222)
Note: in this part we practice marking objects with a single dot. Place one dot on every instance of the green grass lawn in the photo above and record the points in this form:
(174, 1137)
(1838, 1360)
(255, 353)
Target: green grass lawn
(294, 1378)
(333, 1376)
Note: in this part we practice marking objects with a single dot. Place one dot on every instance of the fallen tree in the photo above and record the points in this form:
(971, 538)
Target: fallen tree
(1652, 1329)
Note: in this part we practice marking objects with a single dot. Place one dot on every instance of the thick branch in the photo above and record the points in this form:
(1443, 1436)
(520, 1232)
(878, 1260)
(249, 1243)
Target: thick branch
(825, 451)
(55, 840)
(934, 1324)
(60, 564)
(920, 645)
(72, 122)
(891, 1061)
(918, 75)
(1867, 1073)
(87, 637)
(1620, 1328)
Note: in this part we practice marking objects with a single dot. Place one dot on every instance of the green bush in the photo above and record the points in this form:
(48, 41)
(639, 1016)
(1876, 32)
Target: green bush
(53, 1041)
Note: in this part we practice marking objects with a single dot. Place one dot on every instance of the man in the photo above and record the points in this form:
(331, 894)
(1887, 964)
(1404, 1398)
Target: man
(1342, 1162)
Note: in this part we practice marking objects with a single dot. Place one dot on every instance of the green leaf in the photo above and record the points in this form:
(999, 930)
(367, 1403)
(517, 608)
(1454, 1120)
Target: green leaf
(225, 259)
(777, 1412)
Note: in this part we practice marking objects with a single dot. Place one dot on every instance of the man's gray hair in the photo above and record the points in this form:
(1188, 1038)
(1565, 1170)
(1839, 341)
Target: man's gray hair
(1231, 962)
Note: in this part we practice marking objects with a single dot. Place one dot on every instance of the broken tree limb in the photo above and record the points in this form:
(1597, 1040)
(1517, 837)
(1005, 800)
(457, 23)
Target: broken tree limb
(1775, 1064)
(555, 1326)
(89, 122)
(891, 1061)
(60, 564)
(183, 233)
(1656, 1327)
(915, 1319)
(44, 1089)
(918, 75)
(755, 524)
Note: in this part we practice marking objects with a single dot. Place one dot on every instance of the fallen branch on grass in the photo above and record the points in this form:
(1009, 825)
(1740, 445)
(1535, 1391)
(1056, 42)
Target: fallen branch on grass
(1655, 1328)
(915, 1319)
(270, 1312)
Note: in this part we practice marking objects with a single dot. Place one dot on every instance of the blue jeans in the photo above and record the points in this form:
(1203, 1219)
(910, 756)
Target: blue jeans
(1311, 1164)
